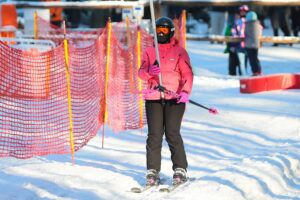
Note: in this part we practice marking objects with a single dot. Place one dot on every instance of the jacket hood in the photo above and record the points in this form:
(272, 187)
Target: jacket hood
(251, 16)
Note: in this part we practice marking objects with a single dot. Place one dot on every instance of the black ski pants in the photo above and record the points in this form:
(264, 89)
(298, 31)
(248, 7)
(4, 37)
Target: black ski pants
(234, 64)
(165, 119)
(253, 59)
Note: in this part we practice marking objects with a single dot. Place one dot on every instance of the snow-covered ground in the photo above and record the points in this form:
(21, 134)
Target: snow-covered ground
(251, 150)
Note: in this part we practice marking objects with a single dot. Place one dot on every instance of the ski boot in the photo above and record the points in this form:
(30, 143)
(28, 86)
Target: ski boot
(152, 177)
(179, 176)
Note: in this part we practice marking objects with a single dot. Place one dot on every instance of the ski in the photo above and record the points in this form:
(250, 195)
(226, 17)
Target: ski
(147, 187)
(142, 189)
(171, 187)
(174, 186)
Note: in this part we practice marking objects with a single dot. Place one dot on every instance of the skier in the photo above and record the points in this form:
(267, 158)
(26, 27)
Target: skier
(231, 49)
(238, 30)
(164, 116)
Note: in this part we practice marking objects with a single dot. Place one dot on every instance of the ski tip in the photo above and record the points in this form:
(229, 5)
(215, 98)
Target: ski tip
(191, 178)
(136, 190)
(164, 190)
(174, 186)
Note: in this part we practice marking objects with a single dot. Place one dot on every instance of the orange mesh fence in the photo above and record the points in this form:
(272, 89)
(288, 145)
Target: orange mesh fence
(34, 105)
(80, 38)
(33, 119)
(123, 99)
(86, 90)
(83, 38)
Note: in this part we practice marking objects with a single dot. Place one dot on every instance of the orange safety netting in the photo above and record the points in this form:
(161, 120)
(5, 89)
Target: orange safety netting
(45, 30)
(40, 115)
(34, 105)
(123, 99)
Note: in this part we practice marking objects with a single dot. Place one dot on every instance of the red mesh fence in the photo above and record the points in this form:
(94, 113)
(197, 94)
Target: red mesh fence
(34, 115)
(86, 90)
(123, 102)
(80, 38)
(34, 120)
(34, 104)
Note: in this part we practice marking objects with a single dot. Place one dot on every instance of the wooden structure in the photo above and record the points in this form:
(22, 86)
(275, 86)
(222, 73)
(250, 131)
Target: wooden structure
(130, 4)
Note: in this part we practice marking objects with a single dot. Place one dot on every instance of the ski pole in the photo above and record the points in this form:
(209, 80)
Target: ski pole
(156, 47)
(211, 110)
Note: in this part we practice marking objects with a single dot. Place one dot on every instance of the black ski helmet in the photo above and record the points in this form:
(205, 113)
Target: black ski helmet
(165, 22)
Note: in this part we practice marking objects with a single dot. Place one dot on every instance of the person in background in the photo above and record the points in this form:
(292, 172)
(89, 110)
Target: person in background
(284, 19)
(99, 17)
(279, 17)
(295, 17)
(274, 18)
(55, 15)
(238, 30)
(73, 16)
(253, 32)
(164, 116)
(231, 49)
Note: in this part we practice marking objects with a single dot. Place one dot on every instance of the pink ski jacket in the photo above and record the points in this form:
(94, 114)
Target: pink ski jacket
(238, 29)
(176, 70)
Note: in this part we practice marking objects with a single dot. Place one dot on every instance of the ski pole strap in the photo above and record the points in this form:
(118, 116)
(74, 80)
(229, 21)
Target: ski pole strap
(160, 88)
(165, 90)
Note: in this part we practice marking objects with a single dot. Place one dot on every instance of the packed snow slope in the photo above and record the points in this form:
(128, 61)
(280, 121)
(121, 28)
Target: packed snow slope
(250, 151)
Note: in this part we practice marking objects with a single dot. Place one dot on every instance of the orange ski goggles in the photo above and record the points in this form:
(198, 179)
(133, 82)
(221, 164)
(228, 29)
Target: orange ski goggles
(162, 29)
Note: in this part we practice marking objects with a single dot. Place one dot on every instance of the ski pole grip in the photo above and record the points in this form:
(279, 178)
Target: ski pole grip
(213, 111)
